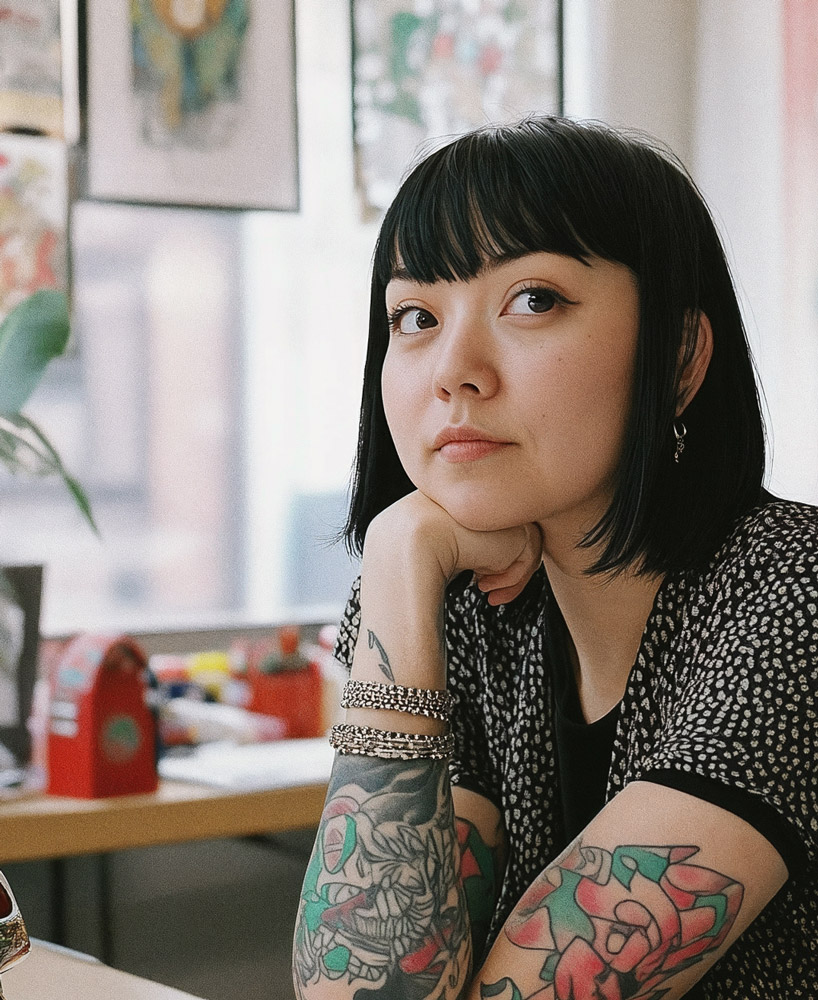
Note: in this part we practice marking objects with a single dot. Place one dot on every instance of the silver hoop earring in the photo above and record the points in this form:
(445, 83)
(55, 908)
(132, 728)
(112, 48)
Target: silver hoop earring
(680, 440)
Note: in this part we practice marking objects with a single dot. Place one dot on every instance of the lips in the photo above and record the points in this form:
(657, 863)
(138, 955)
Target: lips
(466, 444)
(463, 432)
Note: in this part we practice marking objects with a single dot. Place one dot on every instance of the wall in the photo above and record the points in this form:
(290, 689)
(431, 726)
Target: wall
(707, 77)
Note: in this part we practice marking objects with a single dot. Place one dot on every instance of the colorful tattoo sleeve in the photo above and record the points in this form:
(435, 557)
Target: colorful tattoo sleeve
(383, 910)
(616, 924)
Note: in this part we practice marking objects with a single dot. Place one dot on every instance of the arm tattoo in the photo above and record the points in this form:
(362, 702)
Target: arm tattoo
(382, 909)
(384, 664)
(479, 876)
(618, 923)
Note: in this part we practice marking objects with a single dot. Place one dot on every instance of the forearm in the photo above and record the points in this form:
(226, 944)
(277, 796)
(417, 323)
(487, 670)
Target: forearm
(657, 887)
(382, 905)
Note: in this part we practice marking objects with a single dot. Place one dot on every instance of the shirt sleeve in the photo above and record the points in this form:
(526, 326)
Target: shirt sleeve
(745, 716)
(348, 627)
(470, 766)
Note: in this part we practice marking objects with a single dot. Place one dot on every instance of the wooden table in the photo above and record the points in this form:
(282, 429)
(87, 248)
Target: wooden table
(45, 826)
(52, 828)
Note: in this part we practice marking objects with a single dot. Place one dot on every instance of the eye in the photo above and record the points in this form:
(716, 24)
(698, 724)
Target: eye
(410, 319)
(534, 301)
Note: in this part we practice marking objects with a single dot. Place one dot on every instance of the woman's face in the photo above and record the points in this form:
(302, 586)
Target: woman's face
(507, 395)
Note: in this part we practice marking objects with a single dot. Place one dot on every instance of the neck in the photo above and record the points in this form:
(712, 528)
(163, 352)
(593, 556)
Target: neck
(606, 618)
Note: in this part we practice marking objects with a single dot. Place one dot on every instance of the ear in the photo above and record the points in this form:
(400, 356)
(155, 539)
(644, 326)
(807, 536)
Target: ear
(694, 371)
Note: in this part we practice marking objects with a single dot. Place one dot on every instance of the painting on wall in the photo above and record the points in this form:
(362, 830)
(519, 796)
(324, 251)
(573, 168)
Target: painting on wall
(31, 67)
(192, 102)
(33, 217)
(425, 70)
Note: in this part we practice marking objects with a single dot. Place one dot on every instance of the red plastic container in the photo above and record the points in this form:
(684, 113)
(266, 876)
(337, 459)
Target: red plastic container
(101, 733)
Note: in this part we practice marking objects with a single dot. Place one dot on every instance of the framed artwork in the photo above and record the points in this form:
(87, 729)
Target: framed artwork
(20, 592)
(31, 67)
(33, 217)
(431, 69)
(192, 102)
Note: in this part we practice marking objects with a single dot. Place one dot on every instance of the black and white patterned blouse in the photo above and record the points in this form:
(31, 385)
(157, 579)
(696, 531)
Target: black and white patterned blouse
(720, 703)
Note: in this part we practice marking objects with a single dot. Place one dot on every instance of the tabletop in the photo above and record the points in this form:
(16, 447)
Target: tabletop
(53, 973)
(258, 790)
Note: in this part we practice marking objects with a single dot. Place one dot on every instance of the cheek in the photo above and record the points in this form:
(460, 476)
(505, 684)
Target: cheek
(581, 419)
(390, 392)
(599, 382)
(399, 406)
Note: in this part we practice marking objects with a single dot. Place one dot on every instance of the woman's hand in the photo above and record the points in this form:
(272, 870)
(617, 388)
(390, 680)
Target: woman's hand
(428, 538)
(412, 550)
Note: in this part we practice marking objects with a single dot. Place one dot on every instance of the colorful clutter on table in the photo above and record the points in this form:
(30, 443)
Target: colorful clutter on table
(111, 712)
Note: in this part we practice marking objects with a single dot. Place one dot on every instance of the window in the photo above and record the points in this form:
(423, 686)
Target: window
(209, 403)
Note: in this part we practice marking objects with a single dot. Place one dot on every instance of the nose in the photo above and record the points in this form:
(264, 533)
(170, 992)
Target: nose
(465, 365)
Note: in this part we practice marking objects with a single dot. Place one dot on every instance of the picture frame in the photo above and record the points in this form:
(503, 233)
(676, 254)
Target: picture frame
(34, 200)
(31, 70)
(192, 103)
(20, 597)
(426, 72)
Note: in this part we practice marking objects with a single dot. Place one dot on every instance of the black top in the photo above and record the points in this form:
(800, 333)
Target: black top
(584, 750)
(722, 702)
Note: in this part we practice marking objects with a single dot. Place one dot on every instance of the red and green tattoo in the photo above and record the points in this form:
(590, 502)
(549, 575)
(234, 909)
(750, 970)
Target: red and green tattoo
(617, 924)
(480, 868)
(382, 906)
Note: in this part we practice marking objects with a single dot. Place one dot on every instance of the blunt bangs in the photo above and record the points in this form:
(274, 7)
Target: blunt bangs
(475, 201)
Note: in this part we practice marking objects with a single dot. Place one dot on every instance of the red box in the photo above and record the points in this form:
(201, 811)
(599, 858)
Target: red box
(286, 684)
(101, 733)
(294, 696)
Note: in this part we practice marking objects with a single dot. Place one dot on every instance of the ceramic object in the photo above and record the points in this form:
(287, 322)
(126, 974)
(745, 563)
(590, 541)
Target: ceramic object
(14, 943)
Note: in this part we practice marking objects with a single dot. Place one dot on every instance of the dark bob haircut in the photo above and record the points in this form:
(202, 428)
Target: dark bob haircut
(586, 190)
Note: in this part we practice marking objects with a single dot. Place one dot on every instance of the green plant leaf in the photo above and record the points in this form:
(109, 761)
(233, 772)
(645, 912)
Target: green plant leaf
(25, 449)
(31, 335)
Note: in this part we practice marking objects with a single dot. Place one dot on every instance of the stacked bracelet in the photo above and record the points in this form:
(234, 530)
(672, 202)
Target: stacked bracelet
(415, 701)
(348, 739)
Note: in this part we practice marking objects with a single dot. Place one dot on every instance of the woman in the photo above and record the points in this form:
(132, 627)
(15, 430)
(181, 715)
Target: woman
(559, 503)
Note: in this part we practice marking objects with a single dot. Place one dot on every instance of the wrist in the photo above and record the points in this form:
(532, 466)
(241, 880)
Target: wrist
(401, 633)
(397, 708)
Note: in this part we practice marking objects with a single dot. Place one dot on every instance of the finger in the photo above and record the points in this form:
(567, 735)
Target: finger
(508, 577)
(527, 559)
(505, 594)
(513, 581)
(505, 586)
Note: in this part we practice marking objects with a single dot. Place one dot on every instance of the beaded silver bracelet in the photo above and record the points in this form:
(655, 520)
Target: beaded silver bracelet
(369, 742)
(415, 701)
